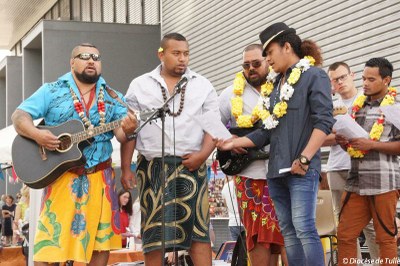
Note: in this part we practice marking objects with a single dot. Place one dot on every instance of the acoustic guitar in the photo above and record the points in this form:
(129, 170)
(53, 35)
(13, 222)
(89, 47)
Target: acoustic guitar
(38, 167)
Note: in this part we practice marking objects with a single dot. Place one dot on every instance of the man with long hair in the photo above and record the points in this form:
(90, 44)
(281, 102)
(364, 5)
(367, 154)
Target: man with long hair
(299, 118)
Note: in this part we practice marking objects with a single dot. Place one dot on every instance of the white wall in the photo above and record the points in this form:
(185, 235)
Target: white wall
(352, 31)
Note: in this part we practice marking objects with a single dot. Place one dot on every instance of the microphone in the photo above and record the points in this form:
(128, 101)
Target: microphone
(182, 83)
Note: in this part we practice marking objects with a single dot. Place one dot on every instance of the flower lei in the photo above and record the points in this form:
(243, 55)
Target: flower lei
(377, 129)
(280, 109)
(244, 121)
(81, 112)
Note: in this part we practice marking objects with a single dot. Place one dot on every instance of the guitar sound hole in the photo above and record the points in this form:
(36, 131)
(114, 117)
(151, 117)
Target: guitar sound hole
(65, 144)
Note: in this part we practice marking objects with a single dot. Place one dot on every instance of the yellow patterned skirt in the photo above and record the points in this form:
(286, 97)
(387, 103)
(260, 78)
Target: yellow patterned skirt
(79, 214)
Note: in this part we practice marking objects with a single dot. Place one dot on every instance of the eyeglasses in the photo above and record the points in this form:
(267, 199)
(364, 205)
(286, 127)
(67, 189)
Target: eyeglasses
(341, 78)
(87, 56)
(254, 64)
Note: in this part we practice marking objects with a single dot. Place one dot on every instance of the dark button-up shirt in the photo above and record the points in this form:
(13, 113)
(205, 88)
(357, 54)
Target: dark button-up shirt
(310, 107)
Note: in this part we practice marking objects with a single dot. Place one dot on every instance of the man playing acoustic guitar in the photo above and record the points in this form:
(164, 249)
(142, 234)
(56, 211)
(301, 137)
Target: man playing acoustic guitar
(79, 216)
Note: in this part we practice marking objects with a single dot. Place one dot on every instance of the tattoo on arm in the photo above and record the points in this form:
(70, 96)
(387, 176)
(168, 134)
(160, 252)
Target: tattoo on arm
(19, 117)
(23, 123)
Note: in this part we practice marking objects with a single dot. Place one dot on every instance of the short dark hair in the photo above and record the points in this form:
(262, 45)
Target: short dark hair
(336, 65)
(385, 67)
(171, 36)
(85, 44)
(252, 47)
(10, 197)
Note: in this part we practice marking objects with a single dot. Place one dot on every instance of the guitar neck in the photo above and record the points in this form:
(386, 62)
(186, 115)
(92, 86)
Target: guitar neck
(90, 133)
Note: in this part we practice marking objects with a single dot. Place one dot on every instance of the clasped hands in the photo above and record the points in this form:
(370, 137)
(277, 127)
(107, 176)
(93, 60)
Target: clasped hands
(362, 144)
(231, 144)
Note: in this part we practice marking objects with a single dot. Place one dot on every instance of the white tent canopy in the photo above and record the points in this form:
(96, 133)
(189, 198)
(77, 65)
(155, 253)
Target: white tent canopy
(7, 136)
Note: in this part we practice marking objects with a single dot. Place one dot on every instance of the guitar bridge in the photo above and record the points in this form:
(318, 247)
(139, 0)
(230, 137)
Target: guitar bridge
(42, 152)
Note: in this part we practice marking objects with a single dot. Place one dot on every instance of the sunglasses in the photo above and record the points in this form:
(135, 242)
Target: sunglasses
(87, 56)
(254, 64)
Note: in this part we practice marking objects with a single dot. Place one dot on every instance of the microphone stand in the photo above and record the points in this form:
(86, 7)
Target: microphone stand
(161, 113)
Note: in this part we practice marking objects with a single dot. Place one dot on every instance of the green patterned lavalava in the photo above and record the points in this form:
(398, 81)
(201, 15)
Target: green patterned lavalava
(56, 230)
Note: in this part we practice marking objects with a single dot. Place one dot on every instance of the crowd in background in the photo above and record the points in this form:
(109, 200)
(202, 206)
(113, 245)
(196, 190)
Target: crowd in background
(14, 215)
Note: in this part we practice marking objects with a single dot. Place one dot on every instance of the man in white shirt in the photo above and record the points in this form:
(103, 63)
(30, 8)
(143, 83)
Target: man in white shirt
(342, 80)
(187, 147)
(263, 235)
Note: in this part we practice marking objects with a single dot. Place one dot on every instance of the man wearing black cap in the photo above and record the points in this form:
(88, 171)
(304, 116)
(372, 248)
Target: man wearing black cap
(300, 117)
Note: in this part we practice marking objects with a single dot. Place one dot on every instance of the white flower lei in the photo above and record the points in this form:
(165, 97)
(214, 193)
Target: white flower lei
(286, 92)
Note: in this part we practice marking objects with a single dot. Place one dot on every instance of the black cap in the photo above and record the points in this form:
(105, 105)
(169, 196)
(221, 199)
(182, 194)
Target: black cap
(273, 31)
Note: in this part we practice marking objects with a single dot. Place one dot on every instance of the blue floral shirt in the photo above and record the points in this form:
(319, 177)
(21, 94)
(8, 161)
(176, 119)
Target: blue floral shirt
(54, 103)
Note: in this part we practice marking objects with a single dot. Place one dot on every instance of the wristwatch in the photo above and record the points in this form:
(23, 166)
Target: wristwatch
(304, 160)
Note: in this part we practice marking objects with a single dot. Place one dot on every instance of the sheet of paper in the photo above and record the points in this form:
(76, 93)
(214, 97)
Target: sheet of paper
(285, 170)
(211, 124)
(392, 114)
(348, 127)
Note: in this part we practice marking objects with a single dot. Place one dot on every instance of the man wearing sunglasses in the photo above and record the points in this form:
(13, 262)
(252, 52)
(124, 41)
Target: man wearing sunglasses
(263, 235)
(187, 147)
(79, 217)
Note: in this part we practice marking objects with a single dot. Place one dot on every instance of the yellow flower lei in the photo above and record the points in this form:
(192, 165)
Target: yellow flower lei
(280, 109)
(245, 121)
(377, 129)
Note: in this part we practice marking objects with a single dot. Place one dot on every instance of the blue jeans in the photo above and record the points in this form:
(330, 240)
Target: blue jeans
(295, 200)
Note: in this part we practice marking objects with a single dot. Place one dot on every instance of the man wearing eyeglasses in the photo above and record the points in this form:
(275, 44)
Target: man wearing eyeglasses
(79, 218)
(338, 166)
(263, 236)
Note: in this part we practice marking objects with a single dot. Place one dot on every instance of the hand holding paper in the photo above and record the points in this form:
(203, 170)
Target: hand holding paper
(347, 127)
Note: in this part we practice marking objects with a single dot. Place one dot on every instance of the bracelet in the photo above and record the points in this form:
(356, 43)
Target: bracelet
(131, 137)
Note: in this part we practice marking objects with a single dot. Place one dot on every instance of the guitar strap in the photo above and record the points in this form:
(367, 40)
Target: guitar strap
(115, 96)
